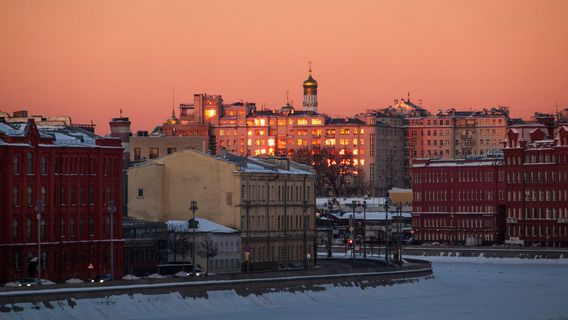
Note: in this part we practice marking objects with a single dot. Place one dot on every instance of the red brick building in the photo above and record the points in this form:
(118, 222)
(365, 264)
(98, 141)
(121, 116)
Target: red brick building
(521, 198)
(76, 175)
(457, 201)
(537, 187)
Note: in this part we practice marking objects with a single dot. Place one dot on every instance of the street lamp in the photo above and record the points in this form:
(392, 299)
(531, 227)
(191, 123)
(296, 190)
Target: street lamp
(38, 210)
(330, 229)
(193, 208)
(352, 225)
(398, 238)
(111, 209)
(386, 206)
(364, 229)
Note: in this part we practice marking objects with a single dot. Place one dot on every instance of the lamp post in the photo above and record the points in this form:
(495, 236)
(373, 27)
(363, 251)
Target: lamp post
(111, 209)
(364, 229)
(38, 210)
(330, 230)
(193, 208)
(398, 238)
(352, 225)
(386, 206)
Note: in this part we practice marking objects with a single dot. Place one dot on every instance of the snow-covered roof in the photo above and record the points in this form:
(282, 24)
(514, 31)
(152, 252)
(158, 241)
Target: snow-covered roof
(458, 163)
(374, 215)
(343, 201)
(204, 225)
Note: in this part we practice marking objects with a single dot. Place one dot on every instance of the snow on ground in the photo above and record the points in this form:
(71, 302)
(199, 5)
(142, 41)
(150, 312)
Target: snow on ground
(461, 289)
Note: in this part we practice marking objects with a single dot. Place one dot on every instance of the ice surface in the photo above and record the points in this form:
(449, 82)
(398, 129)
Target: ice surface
(463, 288)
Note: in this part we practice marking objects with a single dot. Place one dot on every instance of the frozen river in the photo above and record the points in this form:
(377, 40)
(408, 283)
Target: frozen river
(461, 289)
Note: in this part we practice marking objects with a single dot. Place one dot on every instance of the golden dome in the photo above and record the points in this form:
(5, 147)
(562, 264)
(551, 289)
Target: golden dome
(310, 82)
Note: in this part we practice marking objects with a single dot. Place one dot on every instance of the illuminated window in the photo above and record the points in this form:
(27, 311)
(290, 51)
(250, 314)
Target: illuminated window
(210, 113)
(330, 142)
(221, 132)
(249, 133)
(281, 122)
(302, 122)
(355, 141)
(362, 162)
(316, 121)
(362, 131)
(249, 142)
(271, 142)
(355, 152)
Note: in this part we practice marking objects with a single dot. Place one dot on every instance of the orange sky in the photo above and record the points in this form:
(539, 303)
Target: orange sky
(88, 59)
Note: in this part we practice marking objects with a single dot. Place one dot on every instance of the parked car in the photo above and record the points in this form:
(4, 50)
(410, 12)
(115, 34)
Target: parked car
(28, 282)
(102, 278)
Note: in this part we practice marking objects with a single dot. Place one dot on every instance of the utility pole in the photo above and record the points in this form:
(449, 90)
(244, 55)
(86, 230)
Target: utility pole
(305, 234)
(330, 230)
(365, 229)
(38, 211)
(398, 240)
(352, 226)
(193, 208)
(111, 210)
(386, 206)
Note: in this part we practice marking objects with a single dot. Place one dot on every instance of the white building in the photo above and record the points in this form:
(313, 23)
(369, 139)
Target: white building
(218, 248)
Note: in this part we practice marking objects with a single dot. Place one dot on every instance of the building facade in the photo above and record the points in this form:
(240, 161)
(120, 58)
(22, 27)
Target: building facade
(217, 248)
(243, 129)
(537, 187)
(70, 176)
(271, 201)
(145, 246)
(458, 201)
(521, 198)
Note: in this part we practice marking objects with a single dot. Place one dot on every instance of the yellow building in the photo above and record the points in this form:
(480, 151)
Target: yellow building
(271, 201)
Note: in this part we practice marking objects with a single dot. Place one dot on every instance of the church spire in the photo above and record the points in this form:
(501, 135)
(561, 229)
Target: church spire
(310, 92)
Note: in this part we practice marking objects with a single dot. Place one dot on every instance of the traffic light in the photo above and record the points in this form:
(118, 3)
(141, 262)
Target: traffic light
(349, 242)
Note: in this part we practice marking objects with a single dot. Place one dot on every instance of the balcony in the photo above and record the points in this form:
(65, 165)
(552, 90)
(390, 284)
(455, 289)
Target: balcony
(511, 220)
(562, 220)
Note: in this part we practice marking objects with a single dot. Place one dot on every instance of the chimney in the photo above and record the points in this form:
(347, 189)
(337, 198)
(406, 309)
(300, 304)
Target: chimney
(223, 153)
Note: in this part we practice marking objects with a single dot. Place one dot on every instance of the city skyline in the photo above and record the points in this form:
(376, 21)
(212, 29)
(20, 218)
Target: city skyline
(89, 60)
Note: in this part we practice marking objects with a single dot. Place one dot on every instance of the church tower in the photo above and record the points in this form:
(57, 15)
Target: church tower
(310, 93)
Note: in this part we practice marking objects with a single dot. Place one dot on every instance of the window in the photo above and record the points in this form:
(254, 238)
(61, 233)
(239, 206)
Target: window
(16, 199)
(62, 227)
(63, 197)
(15, 229)
(30, 197)
(140, 193)
(72, 196)
(30, 166)
(136, 154)
(43, 196)
(16, 165)
(154, 153)
(171, 150)
(44, 166)
(29, 229)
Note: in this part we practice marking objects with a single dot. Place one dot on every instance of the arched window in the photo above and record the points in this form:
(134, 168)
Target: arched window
(15, 229)
(16, 165)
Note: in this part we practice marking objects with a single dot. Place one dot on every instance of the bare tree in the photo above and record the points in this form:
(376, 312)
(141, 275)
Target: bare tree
(177, 241)
(338, 171)
(207, 249)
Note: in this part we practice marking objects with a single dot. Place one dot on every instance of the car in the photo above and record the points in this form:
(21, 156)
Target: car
(28, 282)
(102, 278)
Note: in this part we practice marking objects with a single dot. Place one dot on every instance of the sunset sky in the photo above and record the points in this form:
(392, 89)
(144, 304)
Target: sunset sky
(88, 59)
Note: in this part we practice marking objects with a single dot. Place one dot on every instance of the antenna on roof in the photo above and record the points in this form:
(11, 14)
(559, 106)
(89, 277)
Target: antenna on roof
(173, 101)
(121, 112)
(408, 96)
(287, 97)
(557, 115)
